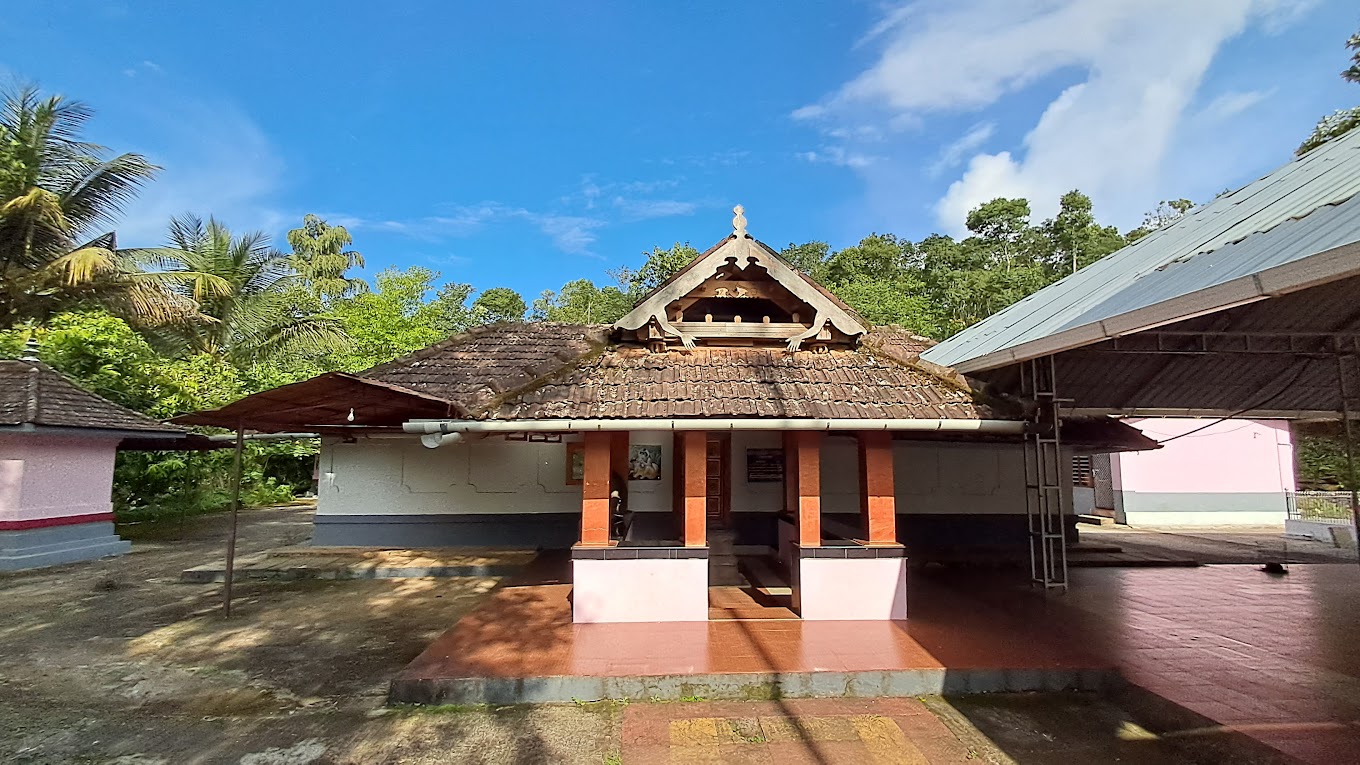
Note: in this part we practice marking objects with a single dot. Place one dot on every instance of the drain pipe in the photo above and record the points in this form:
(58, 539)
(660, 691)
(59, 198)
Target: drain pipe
(453, 427)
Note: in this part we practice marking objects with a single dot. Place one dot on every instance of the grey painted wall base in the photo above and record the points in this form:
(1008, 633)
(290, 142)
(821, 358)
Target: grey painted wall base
(1208, 503)
(923, 534)
(54, 545)
(505, 530)
(743, 686)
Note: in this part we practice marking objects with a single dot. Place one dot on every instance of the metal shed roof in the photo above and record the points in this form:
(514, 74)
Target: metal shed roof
(1301, 210)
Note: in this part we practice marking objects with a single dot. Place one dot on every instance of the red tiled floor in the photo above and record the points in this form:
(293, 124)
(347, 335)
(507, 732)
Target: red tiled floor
(1265, 654)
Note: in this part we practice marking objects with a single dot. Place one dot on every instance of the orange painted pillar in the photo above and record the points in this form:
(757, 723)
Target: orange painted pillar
(877, 500)
(619, 454)
(808, 467)
(694, 448)
(595, 490)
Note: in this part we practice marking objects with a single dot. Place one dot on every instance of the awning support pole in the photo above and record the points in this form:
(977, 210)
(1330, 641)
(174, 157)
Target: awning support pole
(1350, 445)
(235, 511)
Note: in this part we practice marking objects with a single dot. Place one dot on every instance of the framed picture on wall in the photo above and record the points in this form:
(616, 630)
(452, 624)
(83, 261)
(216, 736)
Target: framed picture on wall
(644, 462)
(576, 463)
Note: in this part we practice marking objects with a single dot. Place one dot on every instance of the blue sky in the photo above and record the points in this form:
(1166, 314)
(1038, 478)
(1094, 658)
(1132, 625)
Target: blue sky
(524, 144)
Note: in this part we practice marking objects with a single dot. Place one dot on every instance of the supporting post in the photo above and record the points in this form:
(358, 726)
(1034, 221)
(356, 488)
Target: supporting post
(595, 489)
(808, 467)
(694, 461)
(230, 573)
(877, 500)
(1350, 443)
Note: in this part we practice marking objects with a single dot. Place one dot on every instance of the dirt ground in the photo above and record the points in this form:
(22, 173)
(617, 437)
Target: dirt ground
(117, 662)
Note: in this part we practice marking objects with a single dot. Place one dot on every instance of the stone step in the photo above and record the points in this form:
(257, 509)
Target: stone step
(1095, 520)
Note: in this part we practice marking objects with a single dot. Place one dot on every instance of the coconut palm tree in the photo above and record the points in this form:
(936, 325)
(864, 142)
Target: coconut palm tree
(254, 305)
(57, 195)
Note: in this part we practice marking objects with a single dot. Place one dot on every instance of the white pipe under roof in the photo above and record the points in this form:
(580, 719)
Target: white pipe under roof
(578, 426)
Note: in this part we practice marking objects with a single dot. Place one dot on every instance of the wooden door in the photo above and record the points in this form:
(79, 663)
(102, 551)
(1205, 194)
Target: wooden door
(718, 480)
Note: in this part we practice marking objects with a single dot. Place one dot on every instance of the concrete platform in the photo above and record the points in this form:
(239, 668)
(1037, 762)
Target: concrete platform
(1269, 657)
(521, 646)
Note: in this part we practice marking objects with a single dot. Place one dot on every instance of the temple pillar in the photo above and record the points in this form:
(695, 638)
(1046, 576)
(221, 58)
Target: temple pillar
(877, 500)
(843, 579)
(595, 487)
(622, 582)
(807, 465)
(694, 475)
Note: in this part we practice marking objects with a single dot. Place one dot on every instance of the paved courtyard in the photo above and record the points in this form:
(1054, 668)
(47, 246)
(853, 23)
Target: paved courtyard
(117, 661)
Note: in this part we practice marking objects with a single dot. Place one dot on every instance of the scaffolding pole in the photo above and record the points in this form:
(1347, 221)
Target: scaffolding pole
(1044, 476)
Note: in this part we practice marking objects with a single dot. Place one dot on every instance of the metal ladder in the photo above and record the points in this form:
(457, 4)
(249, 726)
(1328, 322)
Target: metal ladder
(1044, 476)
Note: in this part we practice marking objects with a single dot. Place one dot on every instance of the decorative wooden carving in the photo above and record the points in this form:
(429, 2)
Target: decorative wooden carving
(725, 273)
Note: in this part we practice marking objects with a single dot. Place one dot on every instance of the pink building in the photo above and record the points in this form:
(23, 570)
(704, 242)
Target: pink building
(1207, 473)
(57, 448)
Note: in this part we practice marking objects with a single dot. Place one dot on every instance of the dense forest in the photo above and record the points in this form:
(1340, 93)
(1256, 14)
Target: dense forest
(215, 313)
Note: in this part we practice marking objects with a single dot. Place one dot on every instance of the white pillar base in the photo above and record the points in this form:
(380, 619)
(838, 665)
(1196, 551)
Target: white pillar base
(851, 589)
(639, 590)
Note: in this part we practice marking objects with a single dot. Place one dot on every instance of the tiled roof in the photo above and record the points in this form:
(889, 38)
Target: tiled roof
(32, 393)
(743, 382)
(548, 370)
(475, 369)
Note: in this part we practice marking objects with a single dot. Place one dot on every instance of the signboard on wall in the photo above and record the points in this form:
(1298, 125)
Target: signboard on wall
(764, 465)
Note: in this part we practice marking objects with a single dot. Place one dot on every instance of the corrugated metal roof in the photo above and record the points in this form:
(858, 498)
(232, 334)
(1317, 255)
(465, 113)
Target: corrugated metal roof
(1235, 235)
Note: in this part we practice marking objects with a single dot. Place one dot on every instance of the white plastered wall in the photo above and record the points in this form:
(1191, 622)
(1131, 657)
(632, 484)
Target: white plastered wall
(398, 476)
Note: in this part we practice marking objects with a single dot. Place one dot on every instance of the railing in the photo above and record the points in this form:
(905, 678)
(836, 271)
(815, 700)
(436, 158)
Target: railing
(1330, 507)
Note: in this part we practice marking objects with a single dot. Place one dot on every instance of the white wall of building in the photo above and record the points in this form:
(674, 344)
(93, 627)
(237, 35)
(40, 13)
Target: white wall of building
(398, 476)
(1232, 472)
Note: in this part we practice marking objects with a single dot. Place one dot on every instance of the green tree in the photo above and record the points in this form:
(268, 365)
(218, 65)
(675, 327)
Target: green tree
(1166, 213)
(320, 258)
(498, 304)
(1074, 236)
(809, 257)
(398, 317)
(581, 302)
(255, 305)
(1002, 222)
(877, 256)
(57, 192)
(1342, 121)
(658, 266)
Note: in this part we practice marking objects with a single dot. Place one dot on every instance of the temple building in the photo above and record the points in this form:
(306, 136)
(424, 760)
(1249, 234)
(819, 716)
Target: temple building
(58, 442)
(740, 424)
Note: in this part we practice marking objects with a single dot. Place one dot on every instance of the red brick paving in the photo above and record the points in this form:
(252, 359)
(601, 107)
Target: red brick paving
(792, 731)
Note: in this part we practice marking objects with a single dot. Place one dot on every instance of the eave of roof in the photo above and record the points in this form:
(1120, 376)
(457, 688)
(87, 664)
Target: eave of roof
(1203, 262)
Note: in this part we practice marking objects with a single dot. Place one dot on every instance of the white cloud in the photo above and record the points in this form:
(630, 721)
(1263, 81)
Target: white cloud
(646, 209)
(1138, 64)
(838, 156)
(572, 234)
(954, 153)
(572, 223)
(216, 161)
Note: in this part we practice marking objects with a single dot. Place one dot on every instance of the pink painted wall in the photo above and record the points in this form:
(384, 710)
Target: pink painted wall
(1228, 457)
(665, 590)
(852, 589)
(53, 477)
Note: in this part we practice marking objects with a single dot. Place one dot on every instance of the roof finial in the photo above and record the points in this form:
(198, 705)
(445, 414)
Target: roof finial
(30, 350)
(739, 222)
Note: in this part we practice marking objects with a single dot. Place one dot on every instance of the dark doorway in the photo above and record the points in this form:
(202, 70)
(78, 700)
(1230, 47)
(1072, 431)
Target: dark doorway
(719, 481)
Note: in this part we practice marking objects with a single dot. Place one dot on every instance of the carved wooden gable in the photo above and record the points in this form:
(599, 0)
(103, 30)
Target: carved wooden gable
(740, 293)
